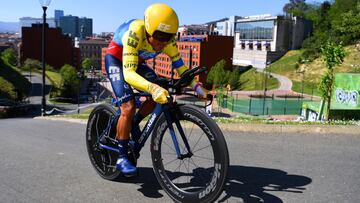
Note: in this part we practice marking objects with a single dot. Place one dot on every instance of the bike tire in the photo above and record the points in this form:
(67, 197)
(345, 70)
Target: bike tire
(213, 183)
(103, 161)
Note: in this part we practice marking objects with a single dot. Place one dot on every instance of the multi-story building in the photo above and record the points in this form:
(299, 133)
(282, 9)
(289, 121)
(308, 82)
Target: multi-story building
(264, 38)
(76, 27)
(197, 50)
(225, 26)
(85, 27)
(59, 48)
(92, 49)
(70, 25)
(28, 21)
(57, 15)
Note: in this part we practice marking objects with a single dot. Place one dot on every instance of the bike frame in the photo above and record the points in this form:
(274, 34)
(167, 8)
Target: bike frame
(150, 124)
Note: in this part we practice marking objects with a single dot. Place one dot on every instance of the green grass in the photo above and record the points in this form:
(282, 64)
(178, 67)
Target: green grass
(13, 85)
(286, 64)
(82, 115)
(312, 72)
(55, 78)
(253, 80)
(309, 88)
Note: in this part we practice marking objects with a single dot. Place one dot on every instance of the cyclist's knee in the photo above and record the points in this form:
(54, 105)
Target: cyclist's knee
(128, 109)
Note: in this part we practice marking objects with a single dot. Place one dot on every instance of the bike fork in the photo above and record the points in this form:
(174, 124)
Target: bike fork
(174, 138)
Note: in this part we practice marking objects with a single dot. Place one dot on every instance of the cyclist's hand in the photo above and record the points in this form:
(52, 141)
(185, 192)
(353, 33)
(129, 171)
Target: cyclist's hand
(202, 92)
(159, 94)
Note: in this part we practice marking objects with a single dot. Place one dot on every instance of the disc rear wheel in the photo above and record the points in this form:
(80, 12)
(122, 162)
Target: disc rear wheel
(104, 161)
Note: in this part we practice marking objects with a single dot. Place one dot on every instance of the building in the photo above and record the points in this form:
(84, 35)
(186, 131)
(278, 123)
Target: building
(193, 30)
(58, 14)
(4, 46)
(76, 27)
(85, 27)
(59, 48)
(70, 25)
(92, 49)
(197, 50)
(225, 26)
(103, 53)
(263, 39)
(28, 21)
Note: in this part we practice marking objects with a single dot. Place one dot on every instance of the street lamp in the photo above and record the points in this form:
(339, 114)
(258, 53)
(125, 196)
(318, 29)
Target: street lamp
(265, 83)
(44, 4)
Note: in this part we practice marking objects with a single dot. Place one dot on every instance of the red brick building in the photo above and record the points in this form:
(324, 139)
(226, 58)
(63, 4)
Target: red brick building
(59, 48)
(202, 50)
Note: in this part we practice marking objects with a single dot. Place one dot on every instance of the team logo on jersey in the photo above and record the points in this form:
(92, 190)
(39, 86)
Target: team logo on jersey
(114, 73)
(164, 27)
(133, 40)
(147, 55)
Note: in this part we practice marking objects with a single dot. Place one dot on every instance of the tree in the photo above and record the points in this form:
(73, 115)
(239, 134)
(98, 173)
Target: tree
(296, 8)
(234, 79)
(71, 82)
(86, 64)
(9, 56)
(347, 26)
(31, 64)
(333, 55)
(218, 76)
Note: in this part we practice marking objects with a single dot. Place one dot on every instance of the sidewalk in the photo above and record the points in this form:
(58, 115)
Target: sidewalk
(257, 128)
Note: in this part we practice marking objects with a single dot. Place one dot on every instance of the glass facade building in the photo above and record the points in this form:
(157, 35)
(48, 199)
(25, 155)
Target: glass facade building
(85, 27)
(76, 27)
(260, 30)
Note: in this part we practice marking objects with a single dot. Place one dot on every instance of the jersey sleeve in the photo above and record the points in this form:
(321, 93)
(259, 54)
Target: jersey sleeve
(172, 51)
(132, 40)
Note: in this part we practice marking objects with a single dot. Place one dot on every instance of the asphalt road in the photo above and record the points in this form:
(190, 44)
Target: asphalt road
(46, 161)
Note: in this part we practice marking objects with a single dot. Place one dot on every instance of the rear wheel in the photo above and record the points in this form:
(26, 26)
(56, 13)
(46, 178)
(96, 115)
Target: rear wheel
(104, 161)
(198, 176)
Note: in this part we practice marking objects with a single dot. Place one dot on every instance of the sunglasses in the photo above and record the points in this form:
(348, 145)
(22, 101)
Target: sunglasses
(163, 36)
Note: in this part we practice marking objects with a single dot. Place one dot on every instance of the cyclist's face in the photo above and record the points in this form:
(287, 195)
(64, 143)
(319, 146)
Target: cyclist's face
(156, 44)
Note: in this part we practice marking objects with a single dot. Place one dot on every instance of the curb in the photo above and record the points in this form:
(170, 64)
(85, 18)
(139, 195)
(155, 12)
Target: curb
(302, 129)
(259, 128)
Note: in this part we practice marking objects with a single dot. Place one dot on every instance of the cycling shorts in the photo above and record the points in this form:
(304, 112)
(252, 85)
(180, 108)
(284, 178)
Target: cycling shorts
(122, 90)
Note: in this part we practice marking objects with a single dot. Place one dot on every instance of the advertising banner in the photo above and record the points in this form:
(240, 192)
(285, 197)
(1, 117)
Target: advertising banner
(346, 92)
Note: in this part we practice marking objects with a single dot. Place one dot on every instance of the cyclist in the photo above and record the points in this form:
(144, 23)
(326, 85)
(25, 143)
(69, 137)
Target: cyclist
(134, 42)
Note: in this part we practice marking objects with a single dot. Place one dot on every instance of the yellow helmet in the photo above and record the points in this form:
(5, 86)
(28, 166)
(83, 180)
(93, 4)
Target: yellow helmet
(160, 17)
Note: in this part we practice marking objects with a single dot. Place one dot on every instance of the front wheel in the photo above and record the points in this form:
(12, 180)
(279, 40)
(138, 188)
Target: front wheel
(198, 176)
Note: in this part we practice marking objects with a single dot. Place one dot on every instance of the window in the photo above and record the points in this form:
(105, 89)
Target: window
(251, 46)
(243, 45)
(258, 46)
(255, 30)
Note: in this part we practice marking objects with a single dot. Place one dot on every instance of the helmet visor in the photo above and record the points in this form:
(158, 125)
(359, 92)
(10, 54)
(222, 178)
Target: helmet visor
(162, 36)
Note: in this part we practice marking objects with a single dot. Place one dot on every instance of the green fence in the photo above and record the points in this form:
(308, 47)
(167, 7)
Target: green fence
(262, 106)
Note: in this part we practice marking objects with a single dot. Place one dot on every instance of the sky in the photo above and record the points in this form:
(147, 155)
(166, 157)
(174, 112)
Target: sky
(107, 15)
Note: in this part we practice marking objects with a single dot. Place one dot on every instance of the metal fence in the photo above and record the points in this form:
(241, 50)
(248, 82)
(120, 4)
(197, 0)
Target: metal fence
(286, 105)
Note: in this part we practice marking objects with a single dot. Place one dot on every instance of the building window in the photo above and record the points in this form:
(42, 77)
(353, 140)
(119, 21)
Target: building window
(258, 46)
(255, 30)
(251, 46)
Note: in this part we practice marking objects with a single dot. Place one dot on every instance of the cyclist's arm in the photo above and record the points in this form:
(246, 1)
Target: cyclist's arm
(172, 51)
(132, 41)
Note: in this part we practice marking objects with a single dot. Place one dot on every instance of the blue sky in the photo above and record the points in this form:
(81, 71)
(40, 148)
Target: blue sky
(107, 15)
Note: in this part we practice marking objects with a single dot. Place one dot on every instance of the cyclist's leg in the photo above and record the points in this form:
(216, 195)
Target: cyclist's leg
(147, 106)
(127, 105)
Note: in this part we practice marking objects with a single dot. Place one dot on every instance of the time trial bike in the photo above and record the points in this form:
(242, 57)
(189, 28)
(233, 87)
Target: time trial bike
(188, 150)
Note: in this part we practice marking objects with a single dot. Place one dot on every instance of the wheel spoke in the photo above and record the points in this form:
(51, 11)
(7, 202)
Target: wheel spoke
(202, 148)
